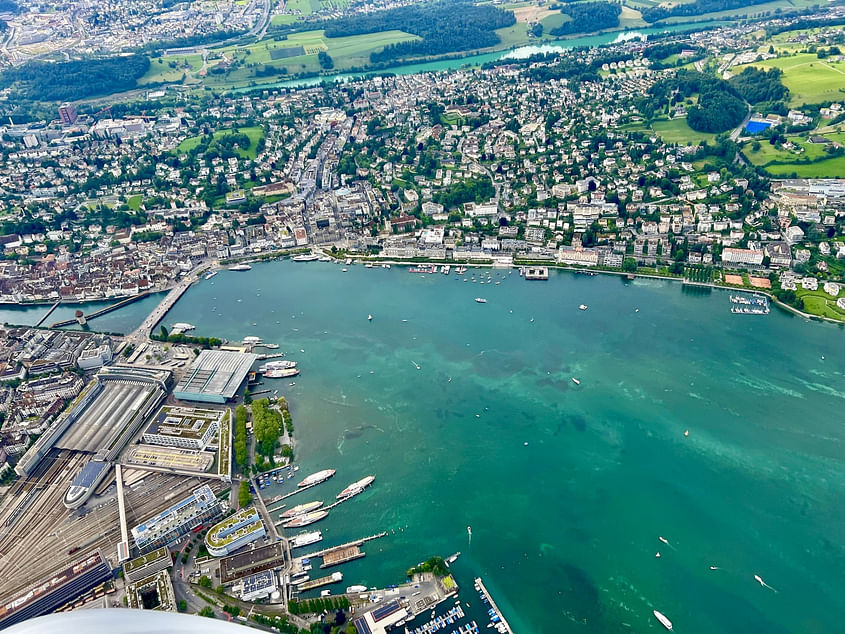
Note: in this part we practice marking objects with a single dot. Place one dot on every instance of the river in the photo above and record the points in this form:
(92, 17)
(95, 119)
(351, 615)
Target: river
(550, 46)
(468, 416)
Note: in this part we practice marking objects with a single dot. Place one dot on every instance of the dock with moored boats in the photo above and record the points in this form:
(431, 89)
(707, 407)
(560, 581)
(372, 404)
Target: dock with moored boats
(497, 619)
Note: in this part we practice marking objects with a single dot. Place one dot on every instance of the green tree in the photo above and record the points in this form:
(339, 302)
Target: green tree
(244, 496)
(205, 582)
(629, 265)
(182, 606)
(207, 611)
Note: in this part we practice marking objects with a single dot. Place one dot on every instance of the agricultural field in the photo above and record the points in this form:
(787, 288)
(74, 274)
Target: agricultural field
(297, 53)
(678, 131)
(809, 79)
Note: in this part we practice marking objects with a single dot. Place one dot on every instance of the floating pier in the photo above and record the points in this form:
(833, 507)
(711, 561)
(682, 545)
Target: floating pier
(537, 273)
(503, 626)
(322, 581)
(341, 555)
(357, 542)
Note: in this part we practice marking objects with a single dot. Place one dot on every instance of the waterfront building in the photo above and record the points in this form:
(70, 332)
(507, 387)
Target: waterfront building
(215, 376)
(240, 529)
(184, 516)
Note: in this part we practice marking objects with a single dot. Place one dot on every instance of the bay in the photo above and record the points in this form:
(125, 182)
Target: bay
(565, 528)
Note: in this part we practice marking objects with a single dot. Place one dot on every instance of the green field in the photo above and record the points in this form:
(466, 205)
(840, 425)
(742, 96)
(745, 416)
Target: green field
(162, 71)
(254, 133)
(134, 202)
(783, 5)
(678, 131)
(515, 35)
(809, 79)
(346, 52)
(820, 303)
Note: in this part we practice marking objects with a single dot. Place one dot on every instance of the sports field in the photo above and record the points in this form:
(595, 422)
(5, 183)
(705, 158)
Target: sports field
(809, 79)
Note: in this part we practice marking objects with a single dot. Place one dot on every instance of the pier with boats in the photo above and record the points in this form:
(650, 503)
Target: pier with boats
(496, 617)
(749, 304)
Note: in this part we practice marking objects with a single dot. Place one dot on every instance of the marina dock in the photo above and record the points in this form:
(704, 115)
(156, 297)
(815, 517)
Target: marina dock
(536, 273)
(287, 495)
(322, 581)
(357, 542)
(341, 555)
(503, 626)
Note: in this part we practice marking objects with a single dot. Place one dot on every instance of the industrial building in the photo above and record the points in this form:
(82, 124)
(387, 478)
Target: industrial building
(184, 427)
(184, 516)
(215, 376)
(240, 529)
(250, 562)
(51, 593)
(258, 586)
(109, 411)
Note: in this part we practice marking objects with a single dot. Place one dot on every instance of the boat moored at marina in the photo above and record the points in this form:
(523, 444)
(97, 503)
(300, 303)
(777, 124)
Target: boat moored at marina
(317, 478)
(301, 509)
(356, 487)
(305, 519)
(240, 267)
(306, 539)
(210, 275)
(306, 257)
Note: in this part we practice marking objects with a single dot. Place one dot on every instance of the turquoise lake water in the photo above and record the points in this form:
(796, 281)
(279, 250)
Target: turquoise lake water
(565, 528)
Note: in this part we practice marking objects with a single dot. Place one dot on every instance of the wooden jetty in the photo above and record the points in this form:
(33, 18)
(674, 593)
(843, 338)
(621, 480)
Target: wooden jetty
(322, 581)
(341, 555)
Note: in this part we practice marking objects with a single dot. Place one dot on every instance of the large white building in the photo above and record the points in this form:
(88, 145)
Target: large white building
(240, 529)
(185, 427)
(742, 256)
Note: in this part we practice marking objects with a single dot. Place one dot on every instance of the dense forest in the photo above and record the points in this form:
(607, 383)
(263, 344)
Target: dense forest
(717, 111)
(698, 7)
(445, 27)
(756, 85)
(473, 190)
(719, 107)
(77, 79)
(588, 17)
